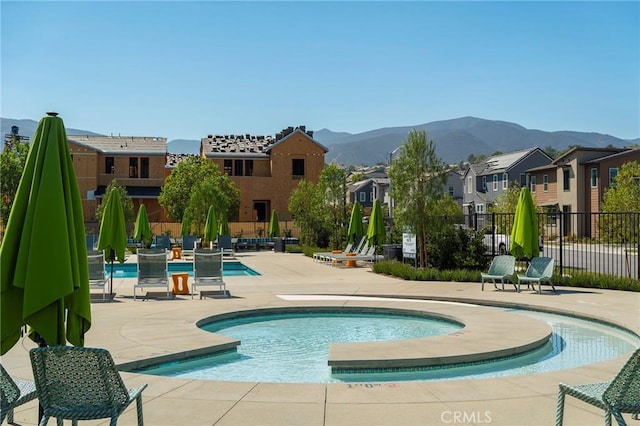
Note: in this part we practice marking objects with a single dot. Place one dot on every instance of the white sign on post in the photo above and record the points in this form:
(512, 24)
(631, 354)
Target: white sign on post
(409, 245)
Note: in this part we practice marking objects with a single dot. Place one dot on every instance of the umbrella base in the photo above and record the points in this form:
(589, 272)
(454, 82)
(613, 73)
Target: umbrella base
(99, 298)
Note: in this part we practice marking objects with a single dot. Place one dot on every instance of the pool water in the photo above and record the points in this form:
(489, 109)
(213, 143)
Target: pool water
(293, 348)
(130, 270)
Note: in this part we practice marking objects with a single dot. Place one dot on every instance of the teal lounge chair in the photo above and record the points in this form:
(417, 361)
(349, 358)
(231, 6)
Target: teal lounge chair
(540, 270)
(620, 395)
(502, 268)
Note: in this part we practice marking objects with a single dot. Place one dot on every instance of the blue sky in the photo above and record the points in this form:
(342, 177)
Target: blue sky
(186, 69)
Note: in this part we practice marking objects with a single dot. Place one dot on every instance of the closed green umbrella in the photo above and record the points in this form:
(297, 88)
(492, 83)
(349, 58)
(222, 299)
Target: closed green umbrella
(113, 233)
(185, 227)
(356, 230)
(376, 231)
(223, 229)
(142, 229)
(274, 225)
(524, 234)
(44, 275)
(211, 226)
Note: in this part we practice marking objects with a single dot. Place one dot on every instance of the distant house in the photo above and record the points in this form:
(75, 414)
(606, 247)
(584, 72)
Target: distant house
(576, 183)
(454, 186)
(266, 169)
(368, 190)
(485, 181)
(137, 163)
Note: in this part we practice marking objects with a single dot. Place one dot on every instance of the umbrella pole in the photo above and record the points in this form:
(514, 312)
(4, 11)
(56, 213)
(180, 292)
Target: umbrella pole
(111, 280)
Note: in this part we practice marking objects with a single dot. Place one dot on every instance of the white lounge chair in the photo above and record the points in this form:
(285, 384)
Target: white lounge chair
(152, 271)
(367, 256)
(324, 256)
(208, 271)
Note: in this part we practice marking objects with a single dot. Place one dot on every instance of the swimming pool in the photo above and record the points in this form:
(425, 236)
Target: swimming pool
(272, 345)
(130, 270)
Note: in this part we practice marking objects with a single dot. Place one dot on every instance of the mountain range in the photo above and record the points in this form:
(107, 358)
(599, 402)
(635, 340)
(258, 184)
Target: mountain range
(454, 140)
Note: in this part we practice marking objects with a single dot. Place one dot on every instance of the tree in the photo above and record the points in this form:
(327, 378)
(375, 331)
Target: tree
(623, 196)
(193, 186)
(333, 185)
(306, 204)
(127, 204)
(417, 177)
(218, 192)
(12, 162)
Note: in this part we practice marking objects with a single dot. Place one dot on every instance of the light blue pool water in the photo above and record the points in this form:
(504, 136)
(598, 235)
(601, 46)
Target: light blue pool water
(130, 270)
(293, 348)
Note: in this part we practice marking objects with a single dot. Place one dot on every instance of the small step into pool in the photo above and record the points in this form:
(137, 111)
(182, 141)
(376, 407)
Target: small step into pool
(130, 270)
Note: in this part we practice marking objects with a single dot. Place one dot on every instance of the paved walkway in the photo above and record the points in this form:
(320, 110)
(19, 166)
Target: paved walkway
(133, 331)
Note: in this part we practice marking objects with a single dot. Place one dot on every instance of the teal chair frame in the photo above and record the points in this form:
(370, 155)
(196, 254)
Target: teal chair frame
(13, 393)
(75, 383)
(502, 268)
(620, 395)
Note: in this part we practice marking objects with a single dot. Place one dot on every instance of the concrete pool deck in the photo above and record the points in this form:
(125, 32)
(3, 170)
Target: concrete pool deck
(133, 331)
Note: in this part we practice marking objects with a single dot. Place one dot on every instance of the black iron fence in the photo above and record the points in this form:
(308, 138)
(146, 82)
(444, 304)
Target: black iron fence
(605, 243)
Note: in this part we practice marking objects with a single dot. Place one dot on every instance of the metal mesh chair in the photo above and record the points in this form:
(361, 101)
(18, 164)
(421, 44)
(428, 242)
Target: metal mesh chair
(502, 268)
(81, 384)
(97, 276)
(620, 395)
(14, 392)
(152, 271)
(540, 270)
(208, 270)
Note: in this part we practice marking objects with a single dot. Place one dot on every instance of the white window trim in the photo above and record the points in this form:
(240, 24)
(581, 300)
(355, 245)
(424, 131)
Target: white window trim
(470, 185)
(495, 182)
(533, 183)
(545, 183)
(363, 197)
(505, 180)
(591, 177)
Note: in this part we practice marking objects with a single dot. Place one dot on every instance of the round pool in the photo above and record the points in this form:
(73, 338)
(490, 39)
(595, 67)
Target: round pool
(293, 347)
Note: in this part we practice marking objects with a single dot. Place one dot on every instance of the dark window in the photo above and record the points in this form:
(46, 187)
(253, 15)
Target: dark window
(109, 165)
(227, 167)
(297, 168)
(594, 177)
(133, 167)
(248, 168)
(238, 168)
(566, 174)
(613, 173)
(144, 167)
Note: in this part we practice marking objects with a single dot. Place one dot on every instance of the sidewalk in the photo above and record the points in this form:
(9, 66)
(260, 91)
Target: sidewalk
(133, 331)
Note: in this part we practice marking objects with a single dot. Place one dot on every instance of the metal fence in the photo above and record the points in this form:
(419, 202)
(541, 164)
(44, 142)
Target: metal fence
(605, 243)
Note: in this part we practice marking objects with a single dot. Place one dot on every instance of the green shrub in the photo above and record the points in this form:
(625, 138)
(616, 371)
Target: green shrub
(574, 279)
(294, 248)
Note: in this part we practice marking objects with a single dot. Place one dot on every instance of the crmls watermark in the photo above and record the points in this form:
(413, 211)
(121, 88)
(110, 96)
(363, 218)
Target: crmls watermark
(465, 417)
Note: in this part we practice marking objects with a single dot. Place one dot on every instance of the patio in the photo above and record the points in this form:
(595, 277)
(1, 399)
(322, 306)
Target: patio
(133, 331)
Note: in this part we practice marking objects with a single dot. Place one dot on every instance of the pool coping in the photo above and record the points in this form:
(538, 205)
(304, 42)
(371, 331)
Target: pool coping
(484, 337)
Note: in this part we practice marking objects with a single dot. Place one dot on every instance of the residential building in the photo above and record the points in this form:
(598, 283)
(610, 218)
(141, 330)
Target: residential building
(485, 181)
(266, 169)
(575, 183)
(368, 190)
(135, 162)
